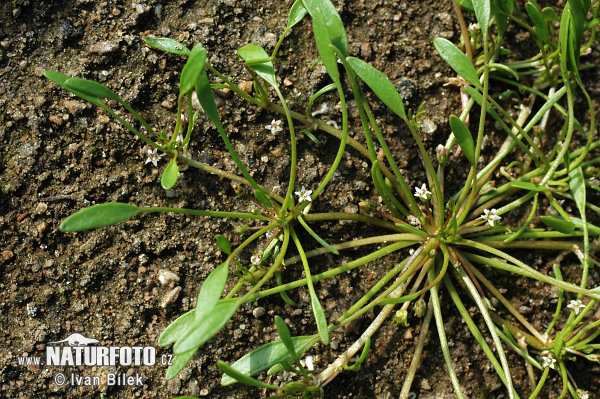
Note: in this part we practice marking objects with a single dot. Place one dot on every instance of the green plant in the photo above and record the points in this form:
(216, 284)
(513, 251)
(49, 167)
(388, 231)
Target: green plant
(456, 237)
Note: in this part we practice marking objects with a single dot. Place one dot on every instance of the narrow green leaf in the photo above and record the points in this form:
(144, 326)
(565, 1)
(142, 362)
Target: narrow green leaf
(263, 198)
(177, 328)
(319, 317)
(243, 378)
(208, 325)
(482, 12)
(179, 362)
(224, 244)
(333, 22)
(268, 355)
(550, 15)
(539, 23)
(558, 223)
(99, 216)
(457, 60)
(192, 69)
(286, 338)
(252, 52)
(466, 4)
(311, 136)
(170, 174)
(207, 101)
(297, 13)
(506, 5)
(380, 84)
(211, 290)
(411, 229)
(464, 138)
(92, 88)
(577, 185)
(316, 236)
(167, 44)
(323, 39)
(61, 80)
(525, 185)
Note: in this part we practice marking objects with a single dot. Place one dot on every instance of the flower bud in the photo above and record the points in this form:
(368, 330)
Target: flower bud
(442, 154)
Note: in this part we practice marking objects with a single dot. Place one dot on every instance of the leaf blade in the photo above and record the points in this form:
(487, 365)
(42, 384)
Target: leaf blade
(174, 330)
(251, 52)
(167, 44)
(207, 326)
(268, 355)
(380, 84)
(170, 174)
(211, 290)
(463, 137)
(100, 215)
(192, 69)
(482, 12)
(457, 60)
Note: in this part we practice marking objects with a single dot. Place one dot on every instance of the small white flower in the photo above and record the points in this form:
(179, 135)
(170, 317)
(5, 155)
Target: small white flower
(179, 139)
(31, 310)
(576, 305)
(255, 259)
(491, 216)
(548, 361)
(154, 157)
(304, 194)
(583, 394)
(422, 192)
(474, 27)
(274, 126)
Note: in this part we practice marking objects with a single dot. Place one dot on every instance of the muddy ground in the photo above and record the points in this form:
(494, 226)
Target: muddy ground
(59, 154)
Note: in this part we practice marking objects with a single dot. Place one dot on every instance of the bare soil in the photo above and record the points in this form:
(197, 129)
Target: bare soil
(58, 154)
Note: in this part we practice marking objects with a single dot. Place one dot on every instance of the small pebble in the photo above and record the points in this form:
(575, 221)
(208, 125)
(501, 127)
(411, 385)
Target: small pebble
(41, 208)
(170, 297)
(105, 47)
(247, 85)
(258, 312)
(166, 277)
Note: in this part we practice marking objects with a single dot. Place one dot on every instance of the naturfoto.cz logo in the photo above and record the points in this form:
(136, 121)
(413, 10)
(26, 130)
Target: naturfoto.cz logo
(79, 353)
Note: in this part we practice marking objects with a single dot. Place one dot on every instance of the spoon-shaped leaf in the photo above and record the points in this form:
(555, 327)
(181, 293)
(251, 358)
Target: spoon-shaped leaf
(61, 80)
(224, 244)
(243, 378)
(167, 44)
(539, 23)
(178, 363)
(92, 88)
(211, 290)
(457, 60)
(482, 12)
(333, 22)
(464, 138)
(177, 328)
(269, 355)
(558, 223)
(170, 174)
(297, 13)
(380, 84)
(192, 69)
(252, 52)
(577, 186)
(286, 338)
(99, 216)
(206, 326)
